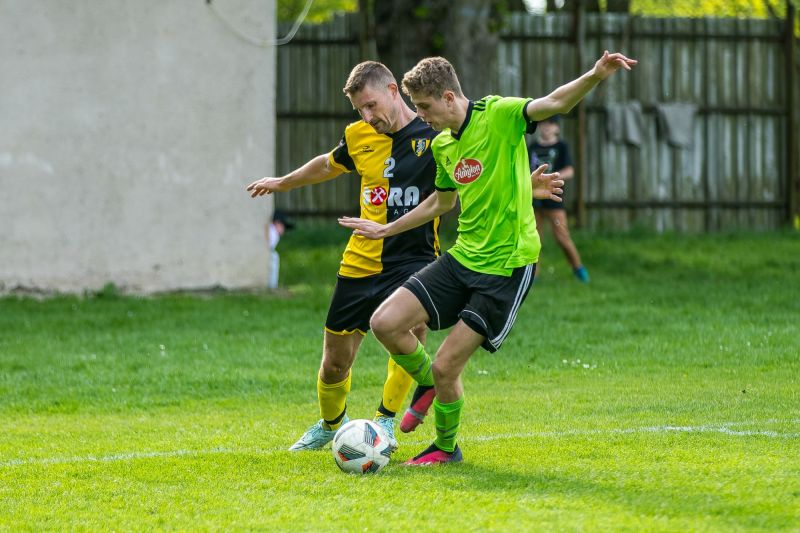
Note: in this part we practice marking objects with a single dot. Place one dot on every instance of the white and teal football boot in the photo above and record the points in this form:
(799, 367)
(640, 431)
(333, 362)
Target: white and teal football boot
(316, 437)
(387, 425)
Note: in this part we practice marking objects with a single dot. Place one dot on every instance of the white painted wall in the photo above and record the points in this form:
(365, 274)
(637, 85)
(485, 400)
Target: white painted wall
(128, 130)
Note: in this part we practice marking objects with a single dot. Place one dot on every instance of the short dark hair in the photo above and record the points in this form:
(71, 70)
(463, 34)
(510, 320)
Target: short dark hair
(368, 73)
(280, 216)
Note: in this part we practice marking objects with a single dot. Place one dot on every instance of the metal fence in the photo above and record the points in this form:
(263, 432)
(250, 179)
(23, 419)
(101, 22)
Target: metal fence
(735, 172)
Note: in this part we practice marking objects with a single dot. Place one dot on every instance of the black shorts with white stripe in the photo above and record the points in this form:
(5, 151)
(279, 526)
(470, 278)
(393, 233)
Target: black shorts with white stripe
(486, 303)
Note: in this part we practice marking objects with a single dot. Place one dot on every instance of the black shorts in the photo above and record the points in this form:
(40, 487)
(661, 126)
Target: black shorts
(355, 299)
(486, 303)
(547, 204)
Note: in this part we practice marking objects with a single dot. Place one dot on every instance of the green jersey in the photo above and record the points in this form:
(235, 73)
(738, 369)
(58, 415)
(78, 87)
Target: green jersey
(486, 162)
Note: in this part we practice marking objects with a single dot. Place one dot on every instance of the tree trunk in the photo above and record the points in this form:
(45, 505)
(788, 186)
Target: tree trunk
(471, 46)
(465, 32)
(590, 6)
(618, 6)
(408, 30)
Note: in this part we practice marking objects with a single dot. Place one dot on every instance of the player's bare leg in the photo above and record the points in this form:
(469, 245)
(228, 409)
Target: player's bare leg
(450, 361)
(420, 331)
(395, 389)
(338, 353)
(558, 221)
(391, 323)
(394, 319)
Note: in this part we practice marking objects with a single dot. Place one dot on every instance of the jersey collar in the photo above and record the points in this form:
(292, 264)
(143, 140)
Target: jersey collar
(457, 135)
(404, 129)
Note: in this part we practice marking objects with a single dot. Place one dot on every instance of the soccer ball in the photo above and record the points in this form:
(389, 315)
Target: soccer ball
(361, 447)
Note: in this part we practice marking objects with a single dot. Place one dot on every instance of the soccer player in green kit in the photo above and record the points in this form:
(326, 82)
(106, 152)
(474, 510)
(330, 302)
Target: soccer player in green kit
(478, 285)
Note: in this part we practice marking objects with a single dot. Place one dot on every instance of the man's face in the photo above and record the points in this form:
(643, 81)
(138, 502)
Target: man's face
(377, 106)
(432, 110)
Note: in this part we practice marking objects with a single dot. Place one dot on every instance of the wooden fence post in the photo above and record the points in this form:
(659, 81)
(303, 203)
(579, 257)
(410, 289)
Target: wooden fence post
(792, 178)
(580, 182)
(368, 48)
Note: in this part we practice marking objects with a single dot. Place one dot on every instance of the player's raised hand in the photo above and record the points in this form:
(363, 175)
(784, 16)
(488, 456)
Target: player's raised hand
(546, 186)
(610, 63)
(365, 228)
(265, 186)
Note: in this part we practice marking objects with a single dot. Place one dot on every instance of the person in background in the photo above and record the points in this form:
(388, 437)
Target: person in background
(548, 148)
(279, 225)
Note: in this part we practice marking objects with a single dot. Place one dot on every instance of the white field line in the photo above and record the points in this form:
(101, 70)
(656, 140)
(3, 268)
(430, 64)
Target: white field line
(724, 429)
(115, 457)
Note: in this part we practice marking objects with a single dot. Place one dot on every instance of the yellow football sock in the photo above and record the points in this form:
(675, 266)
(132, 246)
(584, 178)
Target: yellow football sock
(395, 390)
(333, 400)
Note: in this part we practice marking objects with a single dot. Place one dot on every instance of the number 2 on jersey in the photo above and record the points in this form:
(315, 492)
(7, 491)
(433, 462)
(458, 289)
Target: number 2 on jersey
(387, 172)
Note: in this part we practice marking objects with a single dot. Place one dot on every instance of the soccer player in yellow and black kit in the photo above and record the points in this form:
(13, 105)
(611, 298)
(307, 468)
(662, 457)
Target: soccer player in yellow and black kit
(390, 149)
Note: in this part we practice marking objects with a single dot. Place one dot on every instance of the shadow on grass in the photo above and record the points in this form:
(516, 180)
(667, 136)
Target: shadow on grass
(674, 501)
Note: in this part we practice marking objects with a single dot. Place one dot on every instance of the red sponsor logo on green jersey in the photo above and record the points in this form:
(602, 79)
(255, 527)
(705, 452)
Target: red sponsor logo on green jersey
(467, 171)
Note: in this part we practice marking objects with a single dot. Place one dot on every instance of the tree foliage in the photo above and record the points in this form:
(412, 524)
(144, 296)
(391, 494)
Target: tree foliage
(710, 8)
(321, 10)
(681, 8)
(757, 9)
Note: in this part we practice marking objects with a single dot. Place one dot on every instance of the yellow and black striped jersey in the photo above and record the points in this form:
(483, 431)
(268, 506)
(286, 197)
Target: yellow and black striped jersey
(397, 172)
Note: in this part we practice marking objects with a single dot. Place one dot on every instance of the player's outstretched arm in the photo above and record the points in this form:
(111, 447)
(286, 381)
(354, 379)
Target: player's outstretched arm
(546, 186)
(436, 204)
(317, 170)
(563, 99)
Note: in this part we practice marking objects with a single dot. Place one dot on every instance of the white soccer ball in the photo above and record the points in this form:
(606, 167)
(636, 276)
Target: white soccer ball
(361, 447)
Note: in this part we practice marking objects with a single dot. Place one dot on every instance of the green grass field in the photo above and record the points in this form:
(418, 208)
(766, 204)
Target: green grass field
(664, 396)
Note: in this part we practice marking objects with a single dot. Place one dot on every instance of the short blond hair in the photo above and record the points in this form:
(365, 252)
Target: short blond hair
(369, 73)
(432, 77)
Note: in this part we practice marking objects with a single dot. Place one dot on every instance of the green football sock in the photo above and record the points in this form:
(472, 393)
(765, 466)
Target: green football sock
(417, 364)
(448, 419)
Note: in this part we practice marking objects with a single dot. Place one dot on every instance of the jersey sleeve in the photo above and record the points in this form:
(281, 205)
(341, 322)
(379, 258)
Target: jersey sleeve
(340, 157)
(512, 116)
(443, 180)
